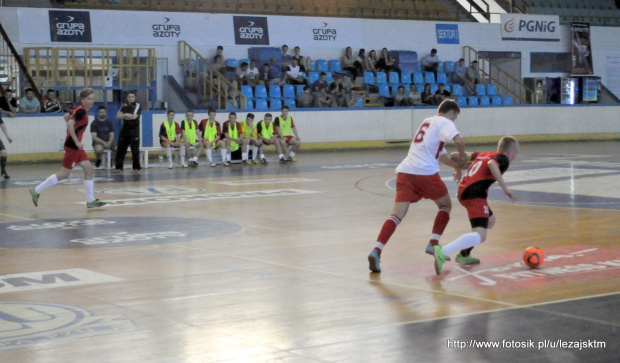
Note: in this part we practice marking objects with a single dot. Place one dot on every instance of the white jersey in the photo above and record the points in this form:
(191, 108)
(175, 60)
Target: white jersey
(427, 146)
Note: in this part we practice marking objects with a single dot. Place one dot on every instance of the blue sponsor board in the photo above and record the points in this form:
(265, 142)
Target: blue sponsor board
(70, 26)
(447, 33)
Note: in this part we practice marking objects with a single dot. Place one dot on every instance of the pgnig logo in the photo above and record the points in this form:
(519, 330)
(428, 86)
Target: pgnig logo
(537, 26)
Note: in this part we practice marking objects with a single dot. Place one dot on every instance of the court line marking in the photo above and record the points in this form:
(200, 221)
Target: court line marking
(12, 216)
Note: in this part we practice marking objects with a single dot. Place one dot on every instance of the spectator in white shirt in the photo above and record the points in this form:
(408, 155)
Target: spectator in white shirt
(294, 74)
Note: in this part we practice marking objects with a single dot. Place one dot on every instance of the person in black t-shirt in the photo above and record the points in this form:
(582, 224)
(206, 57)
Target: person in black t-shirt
(102, 132)
(8, 104)
(51, 103)
(130, 133)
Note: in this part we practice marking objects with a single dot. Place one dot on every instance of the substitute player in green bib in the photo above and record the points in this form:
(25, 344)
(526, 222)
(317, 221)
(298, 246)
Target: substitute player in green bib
(189, 126)
(234, 139)
(266, 136)
(249, 134)
(212, 137)
(286, 129)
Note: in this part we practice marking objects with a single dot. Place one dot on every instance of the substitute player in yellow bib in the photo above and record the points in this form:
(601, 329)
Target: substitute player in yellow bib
(286, 129)
(249, 134)
(212, 137)
(233, 132)
(267, 136)
(191, 137)
(170, 137)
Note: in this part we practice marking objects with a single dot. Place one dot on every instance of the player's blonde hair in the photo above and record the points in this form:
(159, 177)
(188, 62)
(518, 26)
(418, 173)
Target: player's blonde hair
(507, 143)
(86, 92)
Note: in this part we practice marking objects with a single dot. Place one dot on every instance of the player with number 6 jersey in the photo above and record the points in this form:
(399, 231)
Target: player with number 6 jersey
(418, 176)
(485, 169)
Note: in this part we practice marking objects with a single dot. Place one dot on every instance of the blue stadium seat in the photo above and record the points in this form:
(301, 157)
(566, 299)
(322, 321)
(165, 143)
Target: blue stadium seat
(247, 92)
(484, 101)
(288, 91)
(261, 104)
(496, 100)
(384, 90)
(480, 89)
(312, 66)
(300, 89)
(405, 78)
(457, 90)
(441, 77)
(491, 90)
(381, 78)
(473, 100)
(434, 88)
(313, 77)
(393, 78)
(321, 65)
(418, 77)
(461, 100)
(447, 88)
(419, 87)
(260, 92)
(429, 77)
(418, 67)
(394, 90)
(233, 63)
(360, 102)
(290, 102)
(275, 91)
(369, 78)
(334, 65)
(329, 78)
(448, 66)
(440, 66)
(507, 100)
(249, 105)
(275, 104)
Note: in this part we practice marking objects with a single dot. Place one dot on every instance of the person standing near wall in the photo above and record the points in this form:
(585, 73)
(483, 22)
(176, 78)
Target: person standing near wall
(3, 153)
(130, 133)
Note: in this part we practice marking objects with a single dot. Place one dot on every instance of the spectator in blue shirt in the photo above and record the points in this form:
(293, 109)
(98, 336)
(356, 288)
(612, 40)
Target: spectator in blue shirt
(276, 72)
(28, 103)
(460, 69)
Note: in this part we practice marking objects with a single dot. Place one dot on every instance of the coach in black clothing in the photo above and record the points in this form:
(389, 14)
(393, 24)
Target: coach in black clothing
(130, 133)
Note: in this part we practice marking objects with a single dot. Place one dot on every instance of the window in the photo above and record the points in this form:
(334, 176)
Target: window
(550, 62)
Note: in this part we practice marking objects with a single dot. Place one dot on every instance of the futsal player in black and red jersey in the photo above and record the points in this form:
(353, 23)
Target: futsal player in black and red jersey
(486, 168)
(77, 122)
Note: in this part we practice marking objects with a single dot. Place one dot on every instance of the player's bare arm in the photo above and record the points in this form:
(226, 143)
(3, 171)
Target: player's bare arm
(460, 147)
(6, 133)
(497, 174)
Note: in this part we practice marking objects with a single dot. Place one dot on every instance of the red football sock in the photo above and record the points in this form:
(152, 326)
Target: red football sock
(389, 226)
(441, 221)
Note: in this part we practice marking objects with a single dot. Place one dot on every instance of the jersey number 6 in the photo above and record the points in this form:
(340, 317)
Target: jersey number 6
(419, 137)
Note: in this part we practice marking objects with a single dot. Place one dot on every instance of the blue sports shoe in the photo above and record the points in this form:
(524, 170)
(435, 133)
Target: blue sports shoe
(373, 261)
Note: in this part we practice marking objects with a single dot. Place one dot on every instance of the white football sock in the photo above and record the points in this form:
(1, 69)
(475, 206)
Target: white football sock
(244, 156)
(169, 154)
(292, 153)
(223, 152)
(228, 157)
(255, 153)
(89, 190)
(51, 180)
(209, 155)
(465, 241)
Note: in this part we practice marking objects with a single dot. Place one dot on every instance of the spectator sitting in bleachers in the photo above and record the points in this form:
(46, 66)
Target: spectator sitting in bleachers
(321, 82)
(348, 63)
(218, 64)
(472, 77)
(220, 52)
(430, 63)
(294, 75)
(51, 103)
(400, 99)
(8, 104)
(372, 60)
(458, 76)
(264, 76)
(350, 98)
(386, 63)
(306, 99)
(414, 97)
(253, 72)
(304, 62)
(28, 103)
(324, 99)
(241, 76)
(362, 64)
(286, 58)
(337, 90)
(442, 93)
(275, 71)
(427, 96)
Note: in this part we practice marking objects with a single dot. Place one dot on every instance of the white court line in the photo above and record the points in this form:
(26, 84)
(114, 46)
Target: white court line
(27, 219)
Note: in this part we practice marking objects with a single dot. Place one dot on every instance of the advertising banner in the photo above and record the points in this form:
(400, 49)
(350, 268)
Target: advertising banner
(530, 27)
(581, 50)
(70, 26)
(447, 33)
(251, 30)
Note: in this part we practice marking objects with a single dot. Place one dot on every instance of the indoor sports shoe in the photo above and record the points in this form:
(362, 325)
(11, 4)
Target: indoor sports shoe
(212, 164)
(170, 166)
(440, 259)
(282, 160)
(95, 203)
(469, 260)
(4, 175)
(292, 158)
(183, 165)
(263, 161)
(35, 197)
(98, 163)
(431, 251)
(226, 163)
(255, 162)
(244, 162)
(373, 261)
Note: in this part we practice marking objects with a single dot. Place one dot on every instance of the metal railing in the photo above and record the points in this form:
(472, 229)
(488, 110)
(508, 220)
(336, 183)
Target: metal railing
(12, 68)
(505, 83)
(209, 83)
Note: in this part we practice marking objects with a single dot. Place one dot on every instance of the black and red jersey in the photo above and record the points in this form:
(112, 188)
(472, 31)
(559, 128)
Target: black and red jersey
(79, 126)
(478, 177)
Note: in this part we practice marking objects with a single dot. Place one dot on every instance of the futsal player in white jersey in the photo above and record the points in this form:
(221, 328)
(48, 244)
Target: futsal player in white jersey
(418, 176)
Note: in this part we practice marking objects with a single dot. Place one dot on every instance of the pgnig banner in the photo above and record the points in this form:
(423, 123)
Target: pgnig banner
(70, 26)
(582, 52)
(530, 27)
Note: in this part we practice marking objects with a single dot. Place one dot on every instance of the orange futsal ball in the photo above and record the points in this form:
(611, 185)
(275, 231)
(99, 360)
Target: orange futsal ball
(533, 257)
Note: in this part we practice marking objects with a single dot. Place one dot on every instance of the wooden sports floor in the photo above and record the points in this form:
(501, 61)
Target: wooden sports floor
(269, 264)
